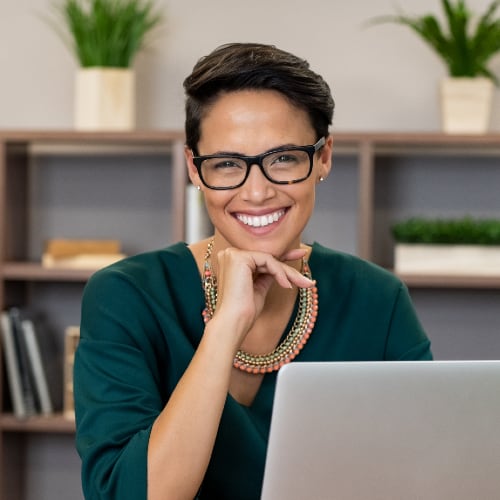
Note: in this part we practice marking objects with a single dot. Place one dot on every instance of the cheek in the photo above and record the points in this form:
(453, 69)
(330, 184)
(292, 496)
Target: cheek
(304, 199)
(308, 195)
(311, 200)
(215, 202)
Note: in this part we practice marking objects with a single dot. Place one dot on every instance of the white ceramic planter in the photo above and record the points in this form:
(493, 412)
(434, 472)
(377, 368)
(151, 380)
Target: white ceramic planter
(105, 99)
(466, 105)
(460, 260)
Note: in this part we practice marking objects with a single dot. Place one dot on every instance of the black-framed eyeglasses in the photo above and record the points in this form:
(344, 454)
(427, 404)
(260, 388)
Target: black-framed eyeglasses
(287, 165)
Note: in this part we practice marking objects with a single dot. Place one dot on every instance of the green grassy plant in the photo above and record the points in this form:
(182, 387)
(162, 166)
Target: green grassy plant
(466, 43)
(462, 231)
(106, 33)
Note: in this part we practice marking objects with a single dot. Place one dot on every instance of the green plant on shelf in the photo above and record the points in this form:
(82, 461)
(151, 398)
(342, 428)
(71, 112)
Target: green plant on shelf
(459, 231)
(105, 33)
(466, 42)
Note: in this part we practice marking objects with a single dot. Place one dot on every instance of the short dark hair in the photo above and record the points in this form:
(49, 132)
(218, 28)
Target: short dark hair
(244, 66)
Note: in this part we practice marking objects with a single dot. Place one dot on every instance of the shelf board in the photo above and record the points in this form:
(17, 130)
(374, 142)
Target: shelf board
(103, 137)
(415, 144)
(34, 271)
(450, 281)
(54, 424)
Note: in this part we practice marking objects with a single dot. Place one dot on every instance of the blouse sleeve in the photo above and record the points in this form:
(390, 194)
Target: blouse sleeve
(118, 388)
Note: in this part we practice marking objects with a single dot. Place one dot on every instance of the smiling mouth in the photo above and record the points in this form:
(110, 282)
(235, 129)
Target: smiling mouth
(260, 220)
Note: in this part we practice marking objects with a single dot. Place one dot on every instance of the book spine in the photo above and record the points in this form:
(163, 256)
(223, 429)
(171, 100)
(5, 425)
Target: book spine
(12, 366)
(27, 385)
(37, 368)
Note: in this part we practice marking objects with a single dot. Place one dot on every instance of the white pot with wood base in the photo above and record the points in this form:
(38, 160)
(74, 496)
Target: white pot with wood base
(466, 105)
(453, 260)
(105, 99)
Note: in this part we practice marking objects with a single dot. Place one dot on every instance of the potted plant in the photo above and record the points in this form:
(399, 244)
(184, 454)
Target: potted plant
(105, 36)
(466, 44)
(461, 246)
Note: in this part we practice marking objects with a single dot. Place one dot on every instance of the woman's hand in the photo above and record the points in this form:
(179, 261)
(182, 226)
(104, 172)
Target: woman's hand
(244, 279)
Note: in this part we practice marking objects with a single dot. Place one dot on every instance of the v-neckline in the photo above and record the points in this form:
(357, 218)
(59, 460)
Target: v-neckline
(268, 377)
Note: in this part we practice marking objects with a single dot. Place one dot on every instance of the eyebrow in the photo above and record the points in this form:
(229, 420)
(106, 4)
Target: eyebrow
(235, 153)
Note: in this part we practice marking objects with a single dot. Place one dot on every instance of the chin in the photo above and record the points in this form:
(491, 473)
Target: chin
(276, 248)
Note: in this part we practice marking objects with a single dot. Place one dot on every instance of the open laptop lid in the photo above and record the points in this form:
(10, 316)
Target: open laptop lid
(385, 430)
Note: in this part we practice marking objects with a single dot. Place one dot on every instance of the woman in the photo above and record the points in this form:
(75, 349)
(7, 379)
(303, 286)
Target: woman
(176, 367)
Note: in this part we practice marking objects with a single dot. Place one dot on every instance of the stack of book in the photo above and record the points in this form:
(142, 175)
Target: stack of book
(26, 375)
(81, 254)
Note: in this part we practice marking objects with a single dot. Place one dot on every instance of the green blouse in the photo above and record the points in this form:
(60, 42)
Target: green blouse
(141, 323)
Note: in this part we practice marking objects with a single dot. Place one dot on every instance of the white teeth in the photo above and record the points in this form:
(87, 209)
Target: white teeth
(262, 220)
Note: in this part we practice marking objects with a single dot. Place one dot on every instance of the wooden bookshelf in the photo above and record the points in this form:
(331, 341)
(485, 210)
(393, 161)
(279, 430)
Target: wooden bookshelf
(370, 147)
(20, 155)
(34, 271)
(451, 281)
(20, 272)
(53, 424)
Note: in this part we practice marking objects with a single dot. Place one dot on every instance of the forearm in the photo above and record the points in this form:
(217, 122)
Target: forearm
(183, 436)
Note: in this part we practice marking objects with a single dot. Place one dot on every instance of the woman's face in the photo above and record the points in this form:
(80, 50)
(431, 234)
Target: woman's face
(250, 123)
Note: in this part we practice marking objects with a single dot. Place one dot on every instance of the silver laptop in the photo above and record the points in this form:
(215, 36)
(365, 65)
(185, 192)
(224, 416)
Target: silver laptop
(424, 430)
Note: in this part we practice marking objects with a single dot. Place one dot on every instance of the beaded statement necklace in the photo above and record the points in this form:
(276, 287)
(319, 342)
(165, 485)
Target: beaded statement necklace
(296, 338)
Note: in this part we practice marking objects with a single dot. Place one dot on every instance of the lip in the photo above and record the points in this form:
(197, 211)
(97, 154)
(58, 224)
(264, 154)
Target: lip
(262, 220)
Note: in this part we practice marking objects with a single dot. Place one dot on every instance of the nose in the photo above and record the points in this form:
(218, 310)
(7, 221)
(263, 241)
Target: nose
(256, 187)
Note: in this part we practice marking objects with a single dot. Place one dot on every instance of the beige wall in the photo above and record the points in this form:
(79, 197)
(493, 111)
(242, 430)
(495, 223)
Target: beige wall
(383, 78)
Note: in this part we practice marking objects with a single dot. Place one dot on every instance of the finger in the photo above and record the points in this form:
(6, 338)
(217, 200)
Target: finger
(295, 254)
(285, 275)
(298, 279)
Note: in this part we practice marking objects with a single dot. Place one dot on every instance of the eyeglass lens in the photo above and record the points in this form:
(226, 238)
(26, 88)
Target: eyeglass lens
(280, 166)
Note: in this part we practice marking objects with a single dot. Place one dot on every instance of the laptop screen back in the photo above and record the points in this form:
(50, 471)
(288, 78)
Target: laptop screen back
(385, 430)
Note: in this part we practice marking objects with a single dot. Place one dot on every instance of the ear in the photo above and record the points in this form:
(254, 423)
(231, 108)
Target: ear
(191, 168)
(325, 159)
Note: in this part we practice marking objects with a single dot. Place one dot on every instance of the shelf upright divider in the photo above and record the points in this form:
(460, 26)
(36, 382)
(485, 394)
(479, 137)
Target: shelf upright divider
(3, 229)
(366, 198)
(3, 243)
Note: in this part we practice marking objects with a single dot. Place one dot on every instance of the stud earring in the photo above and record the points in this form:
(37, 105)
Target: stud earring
(321, 179)
(198, 188)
